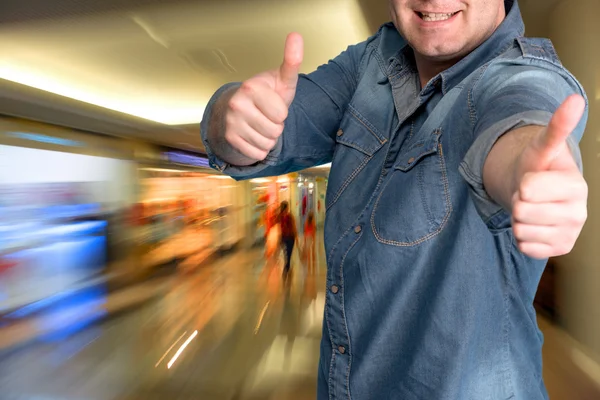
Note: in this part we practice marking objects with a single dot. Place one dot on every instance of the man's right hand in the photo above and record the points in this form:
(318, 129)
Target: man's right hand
(256, 112)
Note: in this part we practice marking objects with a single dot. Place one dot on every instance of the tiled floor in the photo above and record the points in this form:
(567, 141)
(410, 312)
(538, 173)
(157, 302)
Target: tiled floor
(232, 331)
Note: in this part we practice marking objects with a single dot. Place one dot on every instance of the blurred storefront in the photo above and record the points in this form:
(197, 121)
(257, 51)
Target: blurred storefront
(60, 191)
(187, 215)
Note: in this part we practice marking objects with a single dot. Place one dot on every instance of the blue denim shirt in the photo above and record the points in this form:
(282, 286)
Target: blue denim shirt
(428, 295)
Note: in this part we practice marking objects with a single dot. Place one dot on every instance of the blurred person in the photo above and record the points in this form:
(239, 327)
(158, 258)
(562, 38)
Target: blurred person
(273, 240)
(455, 175)
(308, 248)
(289, 235)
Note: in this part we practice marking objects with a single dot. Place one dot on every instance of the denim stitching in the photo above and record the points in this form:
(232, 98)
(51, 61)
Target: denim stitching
(430, 235)
(470, 96)
(348, 181)
(332, 360)
(331, 368)
(423, 195)
(362, 120)
(472, 112)
(375, 53)
(344, 315)
(506, 327)
(356, 147)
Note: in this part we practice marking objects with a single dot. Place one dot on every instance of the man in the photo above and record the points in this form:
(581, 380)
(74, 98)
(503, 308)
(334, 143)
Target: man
(455, 174)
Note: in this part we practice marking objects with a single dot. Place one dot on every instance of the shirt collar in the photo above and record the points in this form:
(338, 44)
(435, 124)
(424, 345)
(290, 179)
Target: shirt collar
(511, 28)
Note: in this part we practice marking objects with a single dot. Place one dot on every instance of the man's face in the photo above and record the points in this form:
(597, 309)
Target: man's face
(443, 30)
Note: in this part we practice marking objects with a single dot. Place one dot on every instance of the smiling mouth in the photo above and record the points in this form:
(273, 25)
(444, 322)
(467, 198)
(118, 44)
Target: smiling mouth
(435, 17)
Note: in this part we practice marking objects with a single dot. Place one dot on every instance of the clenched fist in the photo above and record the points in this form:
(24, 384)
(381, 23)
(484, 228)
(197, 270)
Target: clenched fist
(256, 112)
(549, 208)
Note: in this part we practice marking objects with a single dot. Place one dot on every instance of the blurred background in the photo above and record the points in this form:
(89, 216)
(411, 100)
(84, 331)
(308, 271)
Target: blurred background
(130, 270)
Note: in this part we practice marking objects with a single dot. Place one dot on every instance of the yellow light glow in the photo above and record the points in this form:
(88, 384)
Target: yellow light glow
(260, 180)
(324, 166)
(165, 112)
(161, 170)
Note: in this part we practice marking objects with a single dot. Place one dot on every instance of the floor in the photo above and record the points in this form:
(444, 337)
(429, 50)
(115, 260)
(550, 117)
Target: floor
(232, 331)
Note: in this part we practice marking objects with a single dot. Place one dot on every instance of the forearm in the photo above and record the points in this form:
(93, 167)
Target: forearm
(500, 175)
(216, 133)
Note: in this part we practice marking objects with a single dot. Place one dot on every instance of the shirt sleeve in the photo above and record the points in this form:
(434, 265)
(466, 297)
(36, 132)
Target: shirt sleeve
(512, 94)
(308, 138)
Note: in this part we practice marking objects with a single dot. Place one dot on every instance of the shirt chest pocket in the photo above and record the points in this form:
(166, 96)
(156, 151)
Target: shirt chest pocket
(414, 203)
(357, 142)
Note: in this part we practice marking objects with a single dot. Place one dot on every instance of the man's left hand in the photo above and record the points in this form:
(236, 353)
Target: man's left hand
(549, 207)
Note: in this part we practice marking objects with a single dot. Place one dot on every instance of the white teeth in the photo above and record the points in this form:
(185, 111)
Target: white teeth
(430, 17)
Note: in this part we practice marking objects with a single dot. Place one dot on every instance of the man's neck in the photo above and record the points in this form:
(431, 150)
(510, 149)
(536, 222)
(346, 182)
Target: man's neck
(429, 69)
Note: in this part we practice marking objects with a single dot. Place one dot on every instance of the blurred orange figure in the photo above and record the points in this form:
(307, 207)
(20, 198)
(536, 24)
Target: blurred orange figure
(310, 233)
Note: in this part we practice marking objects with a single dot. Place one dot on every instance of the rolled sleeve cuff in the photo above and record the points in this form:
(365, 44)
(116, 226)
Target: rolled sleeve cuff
(471, 168)
(217, 163)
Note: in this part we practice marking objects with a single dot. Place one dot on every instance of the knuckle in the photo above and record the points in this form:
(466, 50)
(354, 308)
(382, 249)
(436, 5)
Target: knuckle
(283, 115)
(526, 186)
(262, 154)
(248, 87)
(230, 137)
(522, 246)
(272, 143)
(519, 211)
(273, 132)
(277, 131)
(579, 216)
(565, 247)
(235, 104)
(573, 240)
(584, 189)
(518, 231)
(229, 121)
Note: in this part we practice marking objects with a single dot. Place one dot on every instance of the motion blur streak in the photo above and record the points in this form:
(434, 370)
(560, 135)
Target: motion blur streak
(181, 349)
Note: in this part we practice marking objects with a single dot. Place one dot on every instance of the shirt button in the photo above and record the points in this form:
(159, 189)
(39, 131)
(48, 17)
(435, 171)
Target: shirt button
(335, 289)
(410, 160)
(384, 172)
(340, 132)
(357, 229)
(342, 350)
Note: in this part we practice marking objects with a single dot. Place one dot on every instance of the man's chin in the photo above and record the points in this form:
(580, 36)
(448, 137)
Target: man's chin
(439, 53)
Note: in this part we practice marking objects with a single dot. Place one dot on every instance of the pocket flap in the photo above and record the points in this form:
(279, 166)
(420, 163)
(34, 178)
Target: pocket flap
(359, 134)
(411, 156)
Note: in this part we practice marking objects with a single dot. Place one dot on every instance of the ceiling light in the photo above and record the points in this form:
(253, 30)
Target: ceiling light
(161, 170)
(166, 111)
(260, 180)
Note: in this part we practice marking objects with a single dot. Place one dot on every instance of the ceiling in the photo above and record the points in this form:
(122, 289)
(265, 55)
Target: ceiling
(146, 68)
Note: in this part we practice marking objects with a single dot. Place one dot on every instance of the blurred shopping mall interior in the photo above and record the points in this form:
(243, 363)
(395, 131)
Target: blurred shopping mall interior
(131, 270)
